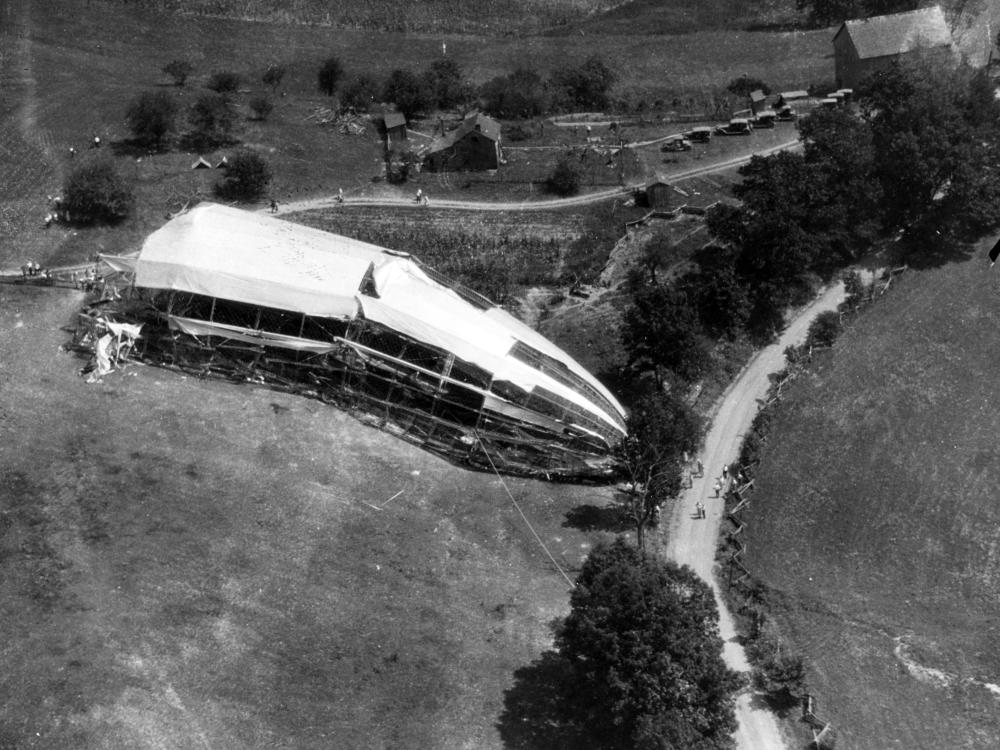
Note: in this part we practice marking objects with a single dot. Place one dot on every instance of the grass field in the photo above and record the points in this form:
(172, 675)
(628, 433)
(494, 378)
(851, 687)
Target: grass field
(190, 563)
(876, 517)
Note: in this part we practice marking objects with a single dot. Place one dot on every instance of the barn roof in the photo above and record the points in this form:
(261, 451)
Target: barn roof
(475, 122)
(882, 36)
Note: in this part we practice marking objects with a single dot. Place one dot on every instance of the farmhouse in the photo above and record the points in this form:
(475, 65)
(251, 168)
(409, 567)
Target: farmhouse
(245, 296)
(473, 145)
(864, 46)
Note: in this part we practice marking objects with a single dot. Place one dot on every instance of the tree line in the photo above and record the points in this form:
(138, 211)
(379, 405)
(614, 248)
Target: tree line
(918, 158)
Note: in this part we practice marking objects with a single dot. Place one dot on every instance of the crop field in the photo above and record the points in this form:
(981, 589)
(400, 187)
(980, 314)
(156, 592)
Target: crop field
(876, 521)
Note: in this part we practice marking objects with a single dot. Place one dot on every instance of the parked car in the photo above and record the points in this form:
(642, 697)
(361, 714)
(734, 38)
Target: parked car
(699, 135)
(785, 114)
(765, 119)
(736, 126)
(680, 143)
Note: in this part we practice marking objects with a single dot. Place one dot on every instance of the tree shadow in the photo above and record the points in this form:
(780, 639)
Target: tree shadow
(538, 711)
(134, 148)
(611, 518)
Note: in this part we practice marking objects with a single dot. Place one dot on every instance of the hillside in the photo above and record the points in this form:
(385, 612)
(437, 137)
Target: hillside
(876, 521)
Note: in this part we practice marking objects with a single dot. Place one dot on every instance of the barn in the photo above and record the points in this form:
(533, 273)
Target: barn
(865, 46)
(658, 193)
(251, 298)
(474, 145)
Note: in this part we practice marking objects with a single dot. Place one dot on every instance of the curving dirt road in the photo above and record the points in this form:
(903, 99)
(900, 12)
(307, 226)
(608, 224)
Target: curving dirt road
(693, 542)
(310, 204)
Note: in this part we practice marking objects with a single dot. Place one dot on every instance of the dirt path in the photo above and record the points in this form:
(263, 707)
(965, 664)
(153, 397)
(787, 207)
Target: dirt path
(693, 542)
(310, 204)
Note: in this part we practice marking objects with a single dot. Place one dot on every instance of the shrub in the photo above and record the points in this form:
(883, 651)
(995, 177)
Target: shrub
(743, 85)
(518, 95)
(824, 329)
(330, 73)
(401, 164)
(584, 85)
(224, 82)
(95, 192)
(565, 178)
(261, 105)
(273, 76)
(179, 70)
(211, 118)
(151, 117)
(246, 178)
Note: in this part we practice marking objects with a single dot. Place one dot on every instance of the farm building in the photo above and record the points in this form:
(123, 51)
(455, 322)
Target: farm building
(473, 145)
(865, 46)
(658, 193)
(395, 128)
(248, 297)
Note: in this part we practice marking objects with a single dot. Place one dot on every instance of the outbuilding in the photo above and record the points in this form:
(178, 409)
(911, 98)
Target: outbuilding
(395, 128)
(658, 193)
(865, 46)
(473, 145)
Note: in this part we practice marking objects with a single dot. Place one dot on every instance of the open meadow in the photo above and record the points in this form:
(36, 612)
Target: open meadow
(876, 521)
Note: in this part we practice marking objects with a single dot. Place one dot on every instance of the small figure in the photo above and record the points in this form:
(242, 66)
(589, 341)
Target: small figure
(725, 472)
(274, 206)
(96, 143)
(701, 469)
(700, 510)
(340, 195)
(72, 151)
(718, 486)
(420, 195)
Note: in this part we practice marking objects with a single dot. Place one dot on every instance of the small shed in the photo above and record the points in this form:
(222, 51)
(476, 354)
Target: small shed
(474, 145)
(395, 128)
(658, 193)
(865, 46)
(758, 100)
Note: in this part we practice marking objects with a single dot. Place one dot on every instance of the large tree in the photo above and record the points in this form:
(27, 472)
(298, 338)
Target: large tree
(660, 429)
(586, 85)
(408, 91)
(519, 95)
(642, 641)
(212, 118)
(96, 192)
(151, 117)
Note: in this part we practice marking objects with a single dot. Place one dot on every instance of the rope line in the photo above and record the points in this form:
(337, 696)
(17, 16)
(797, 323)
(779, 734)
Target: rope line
(521, 512)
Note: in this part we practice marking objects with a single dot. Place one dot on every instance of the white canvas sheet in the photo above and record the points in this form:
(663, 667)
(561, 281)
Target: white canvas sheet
(253, 258)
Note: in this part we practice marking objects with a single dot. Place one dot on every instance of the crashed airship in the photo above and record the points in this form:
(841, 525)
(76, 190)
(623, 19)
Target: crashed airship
(225, 292)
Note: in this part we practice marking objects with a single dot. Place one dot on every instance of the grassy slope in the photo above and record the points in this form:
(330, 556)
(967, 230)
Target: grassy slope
(877, 518)
(192, 563)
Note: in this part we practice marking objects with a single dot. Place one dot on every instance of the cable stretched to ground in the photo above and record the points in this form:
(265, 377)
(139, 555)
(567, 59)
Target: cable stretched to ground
(521, 512)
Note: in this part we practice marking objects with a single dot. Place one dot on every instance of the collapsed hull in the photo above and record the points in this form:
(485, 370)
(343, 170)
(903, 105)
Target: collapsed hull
(410, 352)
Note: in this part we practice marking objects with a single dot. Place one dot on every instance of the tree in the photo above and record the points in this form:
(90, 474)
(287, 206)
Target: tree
(642, 641)
(565, 178)
(586, 85)
(261, 105)
(273, 76)
(330, 73)
(212, 118)
(95, 192)
(743, 85)
(246, 177)
(661, 331)
(446, 83)
(660, 428)
(359, 93)
(224, 82)
(407, 91)
(516, 96)
(823, 331)
(151, 117)
(826, 12)
(179, 70)
(719, 294)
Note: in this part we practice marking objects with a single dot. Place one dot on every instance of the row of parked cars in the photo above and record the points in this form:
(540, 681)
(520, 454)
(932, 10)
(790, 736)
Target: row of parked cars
(783, 111)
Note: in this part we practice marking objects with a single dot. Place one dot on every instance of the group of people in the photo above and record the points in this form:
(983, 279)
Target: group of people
(720, 485)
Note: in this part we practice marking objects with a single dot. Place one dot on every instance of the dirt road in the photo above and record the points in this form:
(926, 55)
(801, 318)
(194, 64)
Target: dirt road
(544, 205)
(693, 542)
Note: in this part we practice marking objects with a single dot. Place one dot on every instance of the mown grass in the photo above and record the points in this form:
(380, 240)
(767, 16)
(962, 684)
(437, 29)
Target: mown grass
(875, 519)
